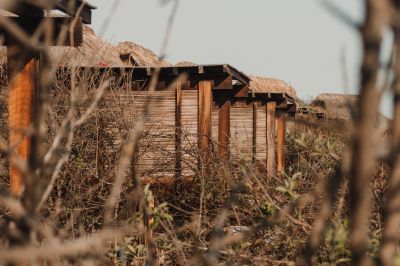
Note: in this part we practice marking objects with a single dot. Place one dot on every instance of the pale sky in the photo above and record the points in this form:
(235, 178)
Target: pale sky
(294, 40)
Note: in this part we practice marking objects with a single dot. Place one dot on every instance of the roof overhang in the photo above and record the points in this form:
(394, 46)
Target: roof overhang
(198, 71)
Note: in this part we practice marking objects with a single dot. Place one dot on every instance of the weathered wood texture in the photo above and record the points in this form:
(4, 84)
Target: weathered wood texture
(224, 128)
(178, 131)
(281, 142)
(190, 110)
(271, 150)
(156, 156)
(157, 153)
(21, 98)
(205, 118)
(261, 132)
(241, 127)
(215, 119)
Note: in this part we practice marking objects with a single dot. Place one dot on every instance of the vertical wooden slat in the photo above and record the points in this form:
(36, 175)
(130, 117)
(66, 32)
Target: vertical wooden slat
(224, 120)
(215, 119)
(271, 163)
(241, 127)
(22, 72)
(205, 118)
(281, 141)
(261, 140)
(156, 157)
(178, 131)
(190, 126)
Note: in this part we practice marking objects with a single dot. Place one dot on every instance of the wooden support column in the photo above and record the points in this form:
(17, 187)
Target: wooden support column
(271, 158)
(205, 118)
(23, 69)
(224, 120)
(281, 141)
(178, 131)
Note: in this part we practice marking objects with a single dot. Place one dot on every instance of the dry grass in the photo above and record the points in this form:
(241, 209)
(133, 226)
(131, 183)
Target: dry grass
(335, 203)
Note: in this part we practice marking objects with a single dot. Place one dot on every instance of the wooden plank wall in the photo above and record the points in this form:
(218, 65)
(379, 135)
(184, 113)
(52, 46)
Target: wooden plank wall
(271, 138)
(160, 136)
(261, 132)
(215, 119)
(190, 107)
(175, 142)
(241, 128)
(156, 157)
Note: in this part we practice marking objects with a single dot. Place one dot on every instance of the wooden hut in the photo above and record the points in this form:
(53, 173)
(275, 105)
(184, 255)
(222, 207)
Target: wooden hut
(216, 105)
(340, 107)
(179, 132)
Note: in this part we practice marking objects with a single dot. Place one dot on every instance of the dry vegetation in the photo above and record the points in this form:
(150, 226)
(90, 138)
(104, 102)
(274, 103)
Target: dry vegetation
(337, 202)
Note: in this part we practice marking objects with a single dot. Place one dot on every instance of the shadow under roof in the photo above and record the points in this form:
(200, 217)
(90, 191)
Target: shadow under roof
(191, 71)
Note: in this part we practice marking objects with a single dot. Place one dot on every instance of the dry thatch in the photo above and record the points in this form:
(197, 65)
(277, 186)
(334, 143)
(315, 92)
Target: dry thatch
(336, 106)
(270, 85)
(185, 63)
(93, 52)
(136, 55)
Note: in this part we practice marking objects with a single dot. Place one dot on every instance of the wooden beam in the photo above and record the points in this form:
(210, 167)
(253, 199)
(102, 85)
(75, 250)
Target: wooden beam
(205, 118)
(178, 131)
(80, 8)
(241, 91)
(224, 119)
(25, 9)
(281, 141)
(223, 83)
(270, 124)
(23, 69)
(72, 8)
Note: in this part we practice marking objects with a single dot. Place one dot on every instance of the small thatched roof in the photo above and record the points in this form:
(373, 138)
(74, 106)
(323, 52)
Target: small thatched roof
(336, 106)
(136, 55)
(271, 85)
(185, 63)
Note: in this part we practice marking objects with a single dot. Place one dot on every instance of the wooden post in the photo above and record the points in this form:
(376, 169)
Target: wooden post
(281, 141)
(205, 118)
(224, 120)
(270, 124)
(23, 69)
(178, 131)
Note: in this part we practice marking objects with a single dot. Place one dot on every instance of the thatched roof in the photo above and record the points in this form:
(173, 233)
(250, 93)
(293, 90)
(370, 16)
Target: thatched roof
(271, 85)
(93, 52)
(97, 52)
(336, 106)
(185, 63)
(136, 55)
